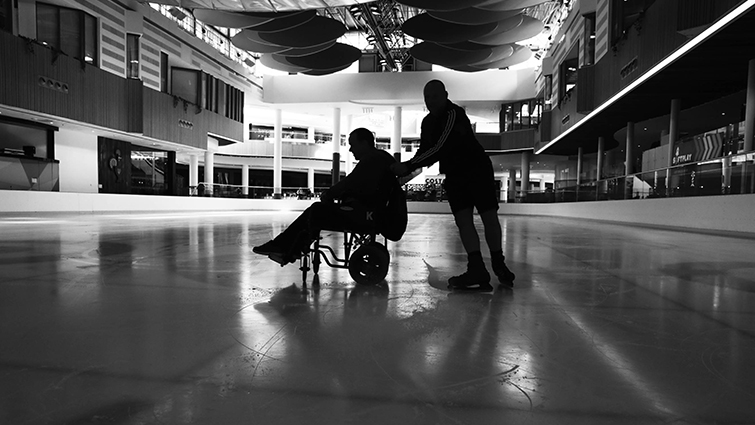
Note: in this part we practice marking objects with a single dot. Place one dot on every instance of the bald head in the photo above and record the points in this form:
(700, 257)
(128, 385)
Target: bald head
(361, 143)
(435, 97)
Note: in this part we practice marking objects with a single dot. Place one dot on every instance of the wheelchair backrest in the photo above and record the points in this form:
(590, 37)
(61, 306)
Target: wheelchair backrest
(395, 215)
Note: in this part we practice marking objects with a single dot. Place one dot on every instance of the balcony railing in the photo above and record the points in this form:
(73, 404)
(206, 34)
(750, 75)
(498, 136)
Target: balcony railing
(216, 190)
(729, 175)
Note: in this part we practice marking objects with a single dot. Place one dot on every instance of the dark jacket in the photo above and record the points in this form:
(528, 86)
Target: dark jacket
(449, 138)
(369, 183)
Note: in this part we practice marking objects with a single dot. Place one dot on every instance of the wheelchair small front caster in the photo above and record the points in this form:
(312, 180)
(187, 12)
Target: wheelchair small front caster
(369, 263)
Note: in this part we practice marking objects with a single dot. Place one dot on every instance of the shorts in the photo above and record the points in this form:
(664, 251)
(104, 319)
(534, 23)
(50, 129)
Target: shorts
(476, 189)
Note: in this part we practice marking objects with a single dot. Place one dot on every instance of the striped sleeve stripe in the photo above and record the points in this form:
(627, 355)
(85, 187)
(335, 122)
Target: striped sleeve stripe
(441, 141)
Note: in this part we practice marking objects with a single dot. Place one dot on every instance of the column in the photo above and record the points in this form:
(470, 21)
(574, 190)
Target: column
(278, 155)
(336, 170)
(245, 180)
(750, 107)
(311, 134)
(673, 136)
(311, 179)
(349, 157)
(396, 136)
(580, 155)
(749, 184)
(525, 173)
(629, 161)
(193, 173)
(512, 185)
(726, 169)
(599, 167)
(601, 148)
(209, 173)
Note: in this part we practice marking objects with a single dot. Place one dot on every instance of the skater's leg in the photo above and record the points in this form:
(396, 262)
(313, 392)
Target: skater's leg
(465, 223)
(493, 234)
(493, 237)
(476, 277)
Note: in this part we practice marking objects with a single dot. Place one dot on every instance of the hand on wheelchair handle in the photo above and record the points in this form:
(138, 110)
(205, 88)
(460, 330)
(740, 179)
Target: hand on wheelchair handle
(326, 197)
(400, 169)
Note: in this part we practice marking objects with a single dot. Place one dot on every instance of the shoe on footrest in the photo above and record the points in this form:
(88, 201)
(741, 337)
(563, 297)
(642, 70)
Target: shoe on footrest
(267, 248)
(284, 258)
(279, 258)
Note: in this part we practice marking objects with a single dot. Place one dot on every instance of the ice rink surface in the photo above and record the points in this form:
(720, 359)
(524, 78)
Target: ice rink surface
(171, 319)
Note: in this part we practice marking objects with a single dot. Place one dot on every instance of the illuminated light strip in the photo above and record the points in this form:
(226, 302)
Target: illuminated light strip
(508, 150)
(741, 10)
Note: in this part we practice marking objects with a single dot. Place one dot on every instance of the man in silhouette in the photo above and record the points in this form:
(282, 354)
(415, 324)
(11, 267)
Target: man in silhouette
(362, 194)
(447, 137)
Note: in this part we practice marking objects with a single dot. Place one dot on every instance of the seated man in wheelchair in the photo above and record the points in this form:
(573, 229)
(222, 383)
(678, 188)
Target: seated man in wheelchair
(363, 195)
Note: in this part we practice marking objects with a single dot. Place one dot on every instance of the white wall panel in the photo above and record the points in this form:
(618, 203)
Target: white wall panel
(77, 153)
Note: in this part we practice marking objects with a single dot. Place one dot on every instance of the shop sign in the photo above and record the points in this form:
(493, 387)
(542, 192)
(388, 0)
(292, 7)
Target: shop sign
(683, 154)
(700, 148)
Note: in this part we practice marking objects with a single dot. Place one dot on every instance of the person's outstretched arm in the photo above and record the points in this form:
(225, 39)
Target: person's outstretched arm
(429, 151)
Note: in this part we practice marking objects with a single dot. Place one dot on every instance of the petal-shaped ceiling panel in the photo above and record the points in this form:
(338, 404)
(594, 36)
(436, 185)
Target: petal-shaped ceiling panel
(223, 19)
(466, 68)
(466, 45)
(248, 40)
(259, 5)
(496, 52)
(271, 60)
(325, 71)
(285, 21)
(446, 56)
(499, 53)
(428, 28)
(333, 57)
(507, 24)
(499, 5)
(316, 31)
(304, 51)
(472, 15)
(442, 4)
(521, 54)
(529, 28)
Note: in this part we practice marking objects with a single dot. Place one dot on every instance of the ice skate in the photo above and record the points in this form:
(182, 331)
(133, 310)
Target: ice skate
(476, 278)
(505, 276)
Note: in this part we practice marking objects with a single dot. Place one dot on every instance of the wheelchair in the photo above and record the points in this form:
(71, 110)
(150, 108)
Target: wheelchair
(364, 256)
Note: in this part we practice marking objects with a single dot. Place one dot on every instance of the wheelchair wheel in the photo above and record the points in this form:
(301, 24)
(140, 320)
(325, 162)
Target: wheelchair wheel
(369, 264)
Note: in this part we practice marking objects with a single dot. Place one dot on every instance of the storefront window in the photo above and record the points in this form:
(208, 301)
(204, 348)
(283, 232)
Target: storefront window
(148, 171)
(548, 90)
(521, 115)
(132, 52)
(185, 84)
(71, 31)
(6, 15)
(589, 53)
(624, 14)
(23, 139)
(568, 76)
(164, 72)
